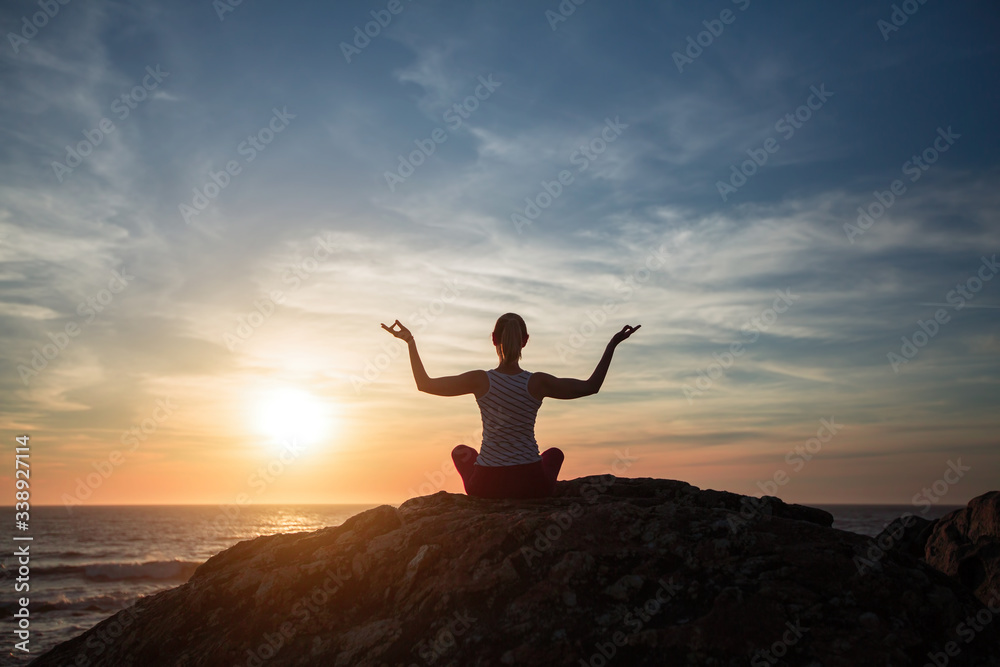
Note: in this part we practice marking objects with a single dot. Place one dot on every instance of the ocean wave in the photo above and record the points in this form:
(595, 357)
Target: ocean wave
(71, 554)
(107, 603)
(160, 570)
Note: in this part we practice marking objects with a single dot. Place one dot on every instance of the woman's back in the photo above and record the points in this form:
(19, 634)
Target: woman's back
(508, 412)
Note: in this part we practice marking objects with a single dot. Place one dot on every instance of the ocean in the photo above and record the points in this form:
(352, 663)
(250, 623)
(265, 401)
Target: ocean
(94, 561)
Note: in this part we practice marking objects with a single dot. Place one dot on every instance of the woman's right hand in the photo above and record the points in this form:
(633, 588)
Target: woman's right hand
(402, 333)
(624, 333)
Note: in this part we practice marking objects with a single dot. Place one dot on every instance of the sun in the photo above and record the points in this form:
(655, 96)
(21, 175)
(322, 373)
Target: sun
(289, 414)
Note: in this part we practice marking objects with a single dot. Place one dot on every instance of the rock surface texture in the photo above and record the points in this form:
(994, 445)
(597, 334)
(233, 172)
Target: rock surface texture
(966, 545)
(610, 571)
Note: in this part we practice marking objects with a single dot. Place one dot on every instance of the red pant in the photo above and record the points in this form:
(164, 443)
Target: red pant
(528, 480)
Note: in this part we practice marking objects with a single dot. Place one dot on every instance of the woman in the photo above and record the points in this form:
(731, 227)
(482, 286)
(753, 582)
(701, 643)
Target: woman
(508, 464)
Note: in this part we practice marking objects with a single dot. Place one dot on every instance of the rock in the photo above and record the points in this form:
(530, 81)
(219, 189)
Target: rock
(639, 571)
(965, 544)
(907, 534)
(869, 621)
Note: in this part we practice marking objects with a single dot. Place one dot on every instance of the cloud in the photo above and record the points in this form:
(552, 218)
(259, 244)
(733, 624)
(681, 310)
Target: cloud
(641, 234)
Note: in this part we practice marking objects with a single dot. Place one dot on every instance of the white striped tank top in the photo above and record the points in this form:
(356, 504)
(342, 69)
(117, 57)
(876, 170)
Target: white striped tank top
(508, 421)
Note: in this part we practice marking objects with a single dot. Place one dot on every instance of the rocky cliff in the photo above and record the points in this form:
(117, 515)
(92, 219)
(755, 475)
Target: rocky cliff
(966, 545)
(609, 571)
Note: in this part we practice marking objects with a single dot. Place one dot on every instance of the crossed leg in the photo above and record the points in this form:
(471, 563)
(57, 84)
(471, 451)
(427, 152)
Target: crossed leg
(464, 458)
(522, 481)
(552, 460)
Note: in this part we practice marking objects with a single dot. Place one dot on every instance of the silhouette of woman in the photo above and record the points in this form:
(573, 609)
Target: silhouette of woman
(508, 464)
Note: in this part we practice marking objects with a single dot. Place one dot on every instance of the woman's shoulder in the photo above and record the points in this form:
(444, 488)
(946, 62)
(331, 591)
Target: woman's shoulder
(482, 381)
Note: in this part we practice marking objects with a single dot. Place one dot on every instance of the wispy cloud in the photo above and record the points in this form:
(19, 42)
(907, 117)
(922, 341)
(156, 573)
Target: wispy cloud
(578, 272)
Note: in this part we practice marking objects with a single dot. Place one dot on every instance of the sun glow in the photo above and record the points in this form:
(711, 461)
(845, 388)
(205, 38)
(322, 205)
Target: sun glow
(289, 414)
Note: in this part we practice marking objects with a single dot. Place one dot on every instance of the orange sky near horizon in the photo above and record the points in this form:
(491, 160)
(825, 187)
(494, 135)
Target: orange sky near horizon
(802, 220)
(211, 448)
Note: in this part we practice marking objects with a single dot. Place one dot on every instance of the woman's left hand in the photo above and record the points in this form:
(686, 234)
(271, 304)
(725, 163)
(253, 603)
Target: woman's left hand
(402, 333)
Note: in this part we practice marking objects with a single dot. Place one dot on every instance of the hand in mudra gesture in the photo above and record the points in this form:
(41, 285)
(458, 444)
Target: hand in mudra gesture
(624, 333)
(402, 333)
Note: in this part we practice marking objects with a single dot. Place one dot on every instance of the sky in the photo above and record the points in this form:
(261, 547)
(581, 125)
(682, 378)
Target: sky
(207, 209)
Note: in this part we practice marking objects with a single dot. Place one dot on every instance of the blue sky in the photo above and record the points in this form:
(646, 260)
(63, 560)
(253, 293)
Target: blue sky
(283, 277)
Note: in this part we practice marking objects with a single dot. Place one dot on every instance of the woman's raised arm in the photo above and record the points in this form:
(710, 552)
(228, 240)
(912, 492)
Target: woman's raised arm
(568, 388)
(452, 385)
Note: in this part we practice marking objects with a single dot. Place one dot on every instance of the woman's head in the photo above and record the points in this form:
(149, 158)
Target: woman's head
(509, 335)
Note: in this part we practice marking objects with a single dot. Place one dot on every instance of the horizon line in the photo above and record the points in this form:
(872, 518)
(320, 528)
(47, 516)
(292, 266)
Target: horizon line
(877, 504)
